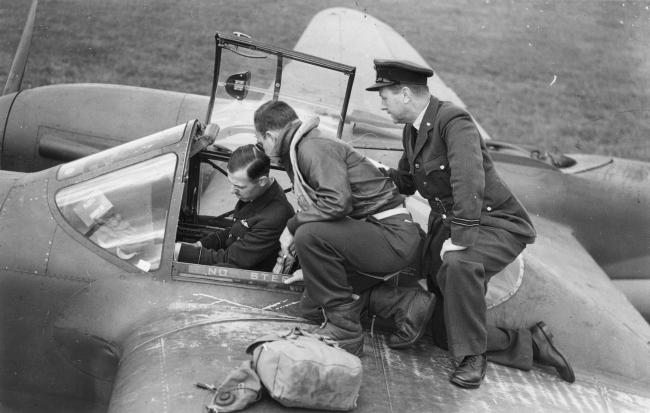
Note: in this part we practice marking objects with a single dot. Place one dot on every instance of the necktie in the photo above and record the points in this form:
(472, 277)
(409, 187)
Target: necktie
(414, 135)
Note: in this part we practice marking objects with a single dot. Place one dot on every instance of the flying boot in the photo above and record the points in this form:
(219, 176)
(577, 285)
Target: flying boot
(410, 308)
(342, 323)
(308, 309)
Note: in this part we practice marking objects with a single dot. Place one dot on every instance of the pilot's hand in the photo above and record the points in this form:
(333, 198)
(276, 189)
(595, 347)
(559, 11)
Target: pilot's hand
(449, 246)
(286, 242)
(297, 276)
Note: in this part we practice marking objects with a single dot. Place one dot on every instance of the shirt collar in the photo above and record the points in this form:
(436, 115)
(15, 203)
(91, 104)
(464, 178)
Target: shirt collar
(417, 122)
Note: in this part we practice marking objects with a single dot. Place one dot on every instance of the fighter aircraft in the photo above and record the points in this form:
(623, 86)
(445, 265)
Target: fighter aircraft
(97, 316)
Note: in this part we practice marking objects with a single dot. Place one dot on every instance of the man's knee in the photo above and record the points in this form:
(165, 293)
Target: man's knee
(306, 234)
(456, 269)
(452, 263)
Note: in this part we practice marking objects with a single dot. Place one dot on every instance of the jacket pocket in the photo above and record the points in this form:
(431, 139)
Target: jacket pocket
(434, 180)
(437, 164)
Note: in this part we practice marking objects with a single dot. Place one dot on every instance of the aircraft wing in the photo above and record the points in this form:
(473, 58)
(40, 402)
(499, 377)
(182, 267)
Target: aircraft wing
(165, 357)
(355, 38)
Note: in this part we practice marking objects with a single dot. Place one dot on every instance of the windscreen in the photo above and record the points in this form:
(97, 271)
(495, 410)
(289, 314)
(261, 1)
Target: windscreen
(124, 211)
(249, 77)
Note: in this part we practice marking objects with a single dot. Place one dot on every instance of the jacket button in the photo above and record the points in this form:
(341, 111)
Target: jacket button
(442, 166)
(424, 183)
(444, 216)
(489, 209)
(417, 166)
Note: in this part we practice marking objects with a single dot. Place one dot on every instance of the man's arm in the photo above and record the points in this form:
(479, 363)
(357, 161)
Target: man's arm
(253, 245)
(467, 178)
(402, 176)
(215, 240)
(249, 244)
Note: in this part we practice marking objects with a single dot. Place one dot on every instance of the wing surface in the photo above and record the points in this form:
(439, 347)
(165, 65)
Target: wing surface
(166, 356)
(591, 318)
(355, 38)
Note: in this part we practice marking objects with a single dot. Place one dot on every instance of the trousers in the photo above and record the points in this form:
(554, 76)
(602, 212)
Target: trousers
(460, 283)
(333, 254)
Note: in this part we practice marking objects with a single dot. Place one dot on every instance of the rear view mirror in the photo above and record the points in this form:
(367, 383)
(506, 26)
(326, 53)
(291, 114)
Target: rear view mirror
(237, 85)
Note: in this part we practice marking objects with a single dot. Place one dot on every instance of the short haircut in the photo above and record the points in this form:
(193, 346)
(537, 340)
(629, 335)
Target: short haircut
(273, 115)
(417, 90)
(250, 157)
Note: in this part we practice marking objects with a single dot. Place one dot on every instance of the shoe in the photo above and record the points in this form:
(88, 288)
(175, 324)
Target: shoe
(343, 324)
(545, 352)
(409, 308)
(470, 372)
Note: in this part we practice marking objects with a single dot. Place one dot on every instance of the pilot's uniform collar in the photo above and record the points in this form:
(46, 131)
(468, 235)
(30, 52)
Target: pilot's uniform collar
(418, 121)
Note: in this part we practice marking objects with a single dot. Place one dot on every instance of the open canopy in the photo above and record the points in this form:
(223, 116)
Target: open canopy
(248, 73)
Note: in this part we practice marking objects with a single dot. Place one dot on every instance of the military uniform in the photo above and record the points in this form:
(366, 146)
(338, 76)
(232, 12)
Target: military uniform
(447, 162)
(253, 240)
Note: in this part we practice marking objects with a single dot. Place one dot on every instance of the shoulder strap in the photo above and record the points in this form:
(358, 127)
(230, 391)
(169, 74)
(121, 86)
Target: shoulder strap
(448, 113)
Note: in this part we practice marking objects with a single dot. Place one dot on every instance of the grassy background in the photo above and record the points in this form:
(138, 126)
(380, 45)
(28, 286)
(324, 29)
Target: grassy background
(500, 56)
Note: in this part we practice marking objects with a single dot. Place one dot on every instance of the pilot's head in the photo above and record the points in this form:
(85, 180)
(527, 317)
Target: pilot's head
(248, 172)
(402, 86)
(271, 121)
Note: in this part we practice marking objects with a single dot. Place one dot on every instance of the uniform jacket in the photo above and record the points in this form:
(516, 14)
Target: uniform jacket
(253, 240)
(448, 163)
(339, 181)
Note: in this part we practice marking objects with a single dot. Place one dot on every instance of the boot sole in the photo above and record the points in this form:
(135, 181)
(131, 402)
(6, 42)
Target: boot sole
(465, 384)
(422, 329)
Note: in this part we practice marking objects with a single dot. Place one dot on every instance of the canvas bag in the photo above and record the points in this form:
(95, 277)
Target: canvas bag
(306, 370)
(239, 389)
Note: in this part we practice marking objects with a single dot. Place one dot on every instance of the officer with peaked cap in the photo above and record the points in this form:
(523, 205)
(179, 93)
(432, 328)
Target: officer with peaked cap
(476, 226)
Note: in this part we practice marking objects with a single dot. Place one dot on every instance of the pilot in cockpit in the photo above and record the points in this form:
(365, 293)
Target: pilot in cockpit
(260, 215)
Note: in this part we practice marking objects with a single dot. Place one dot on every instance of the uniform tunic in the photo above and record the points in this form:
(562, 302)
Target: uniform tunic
(253, 240)
(447, 161)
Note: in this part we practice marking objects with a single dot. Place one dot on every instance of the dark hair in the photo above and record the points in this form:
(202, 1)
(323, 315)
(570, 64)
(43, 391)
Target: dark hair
(273, 115)
(256, 162)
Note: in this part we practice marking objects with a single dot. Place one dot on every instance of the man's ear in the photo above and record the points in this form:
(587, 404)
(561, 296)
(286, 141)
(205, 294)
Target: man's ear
(264, 180)
(406, 94)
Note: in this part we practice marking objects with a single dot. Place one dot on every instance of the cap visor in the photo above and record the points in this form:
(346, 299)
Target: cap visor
(378, 86)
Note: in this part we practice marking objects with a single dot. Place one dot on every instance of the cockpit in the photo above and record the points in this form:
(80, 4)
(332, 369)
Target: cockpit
(134, 201)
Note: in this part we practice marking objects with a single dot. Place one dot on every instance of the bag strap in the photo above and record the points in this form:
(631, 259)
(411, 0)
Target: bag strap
(292, 334)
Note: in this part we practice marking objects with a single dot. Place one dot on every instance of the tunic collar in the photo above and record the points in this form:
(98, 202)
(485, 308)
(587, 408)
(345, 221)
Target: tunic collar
(418, 121)
(259, 203)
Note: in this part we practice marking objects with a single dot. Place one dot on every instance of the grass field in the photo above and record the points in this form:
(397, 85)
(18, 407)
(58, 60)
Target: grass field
(500, 56)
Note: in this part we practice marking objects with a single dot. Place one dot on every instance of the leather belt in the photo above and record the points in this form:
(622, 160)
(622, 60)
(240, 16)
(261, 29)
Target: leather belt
(390, 212)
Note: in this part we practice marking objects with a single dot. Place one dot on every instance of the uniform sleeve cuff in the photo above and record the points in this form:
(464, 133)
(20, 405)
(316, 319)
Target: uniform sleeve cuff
(189, 253)
(463, 236)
